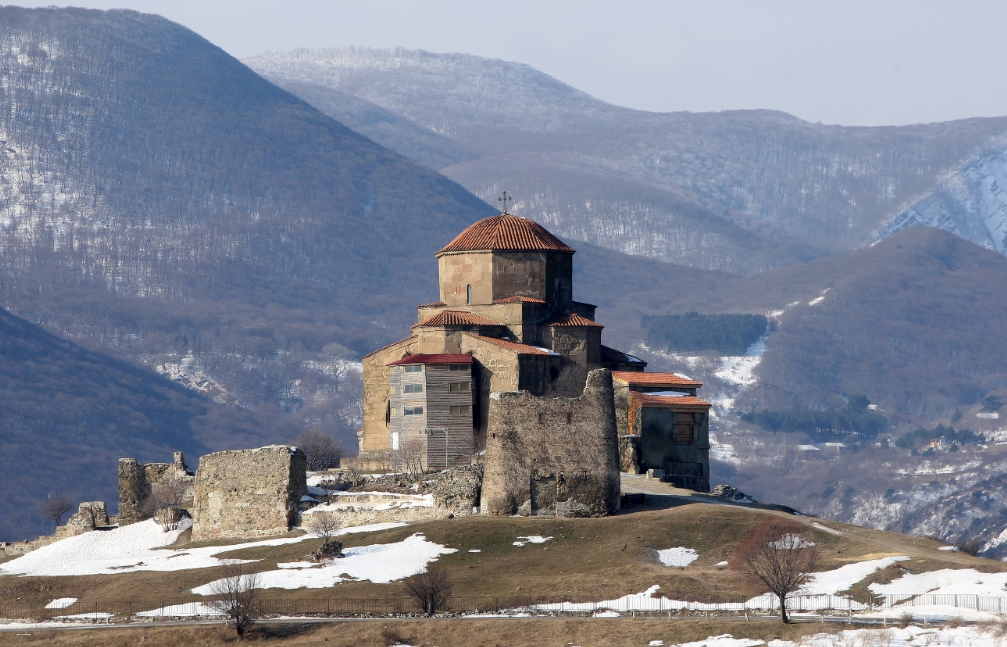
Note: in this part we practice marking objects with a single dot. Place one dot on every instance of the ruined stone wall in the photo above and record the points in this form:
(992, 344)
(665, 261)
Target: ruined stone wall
(249, 492)
(549, 455)
(136, 481)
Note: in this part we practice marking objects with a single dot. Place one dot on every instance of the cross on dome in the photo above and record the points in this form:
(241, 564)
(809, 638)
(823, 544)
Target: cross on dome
(504, 199)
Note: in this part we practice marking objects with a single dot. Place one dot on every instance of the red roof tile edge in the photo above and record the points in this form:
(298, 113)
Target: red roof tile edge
(668, 400)
(456, 318)
(657, 379)
(574, 320)
(520, 349)
(439, 358)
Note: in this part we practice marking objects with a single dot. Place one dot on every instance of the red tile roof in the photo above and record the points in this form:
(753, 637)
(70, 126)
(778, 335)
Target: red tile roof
(435, 304)
(441, 358)
(655, 379)
(574, 320)
(520, 349)
(505, 232)
(519, 299)
(456, 318)
(652, 400)
(390, 346)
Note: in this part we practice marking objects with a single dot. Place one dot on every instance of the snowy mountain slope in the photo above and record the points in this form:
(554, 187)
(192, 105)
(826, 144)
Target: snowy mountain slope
(971, 203)
(741, 191)
(159, 198)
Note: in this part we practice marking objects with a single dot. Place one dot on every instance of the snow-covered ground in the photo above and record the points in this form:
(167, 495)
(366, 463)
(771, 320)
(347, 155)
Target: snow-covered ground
(137, 547)
(380, 563)
(533, 539)
(677, 556)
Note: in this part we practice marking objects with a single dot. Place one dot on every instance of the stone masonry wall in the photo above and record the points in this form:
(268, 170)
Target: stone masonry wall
(248, 493)
(136, 481)
(553, 455)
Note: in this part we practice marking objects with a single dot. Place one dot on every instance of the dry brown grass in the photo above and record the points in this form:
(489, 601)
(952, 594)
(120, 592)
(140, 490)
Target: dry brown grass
(587, 559)
(587, 632)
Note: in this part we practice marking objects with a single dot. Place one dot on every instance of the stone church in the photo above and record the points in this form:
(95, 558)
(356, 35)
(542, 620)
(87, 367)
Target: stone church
(506, 321)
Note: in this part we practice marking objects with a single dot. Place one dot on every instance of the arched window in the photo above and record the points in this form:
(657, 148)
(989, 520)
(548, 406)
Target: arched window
(468, 294)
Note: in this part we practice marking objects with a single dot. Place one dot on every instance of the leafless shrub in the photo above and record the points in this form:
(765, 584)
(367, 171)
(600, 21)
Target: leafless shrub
(321, 449)
(906, 619)
(326, 526)
(54, 507)
(430, 590)
(955, 622)
(779, 555)
(164, 504)
(971, 546)
(236, 596)
(409, 456)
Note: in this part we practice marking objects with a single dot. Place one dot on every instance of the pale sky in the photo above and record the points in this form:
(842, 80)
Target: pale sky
(843, 62)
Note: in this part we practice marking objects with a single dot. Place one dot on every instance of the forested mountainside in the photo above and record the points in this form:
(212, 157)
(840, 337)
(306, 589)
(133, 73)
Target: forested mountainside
(67, 414)
(912, 322)
(743, 191)
(160, 198)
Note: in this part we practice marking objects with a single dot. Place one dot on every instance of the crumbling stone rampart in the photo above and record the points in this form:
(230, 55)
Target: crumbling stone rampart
(137, 481)
(553, 455)
(248, 493)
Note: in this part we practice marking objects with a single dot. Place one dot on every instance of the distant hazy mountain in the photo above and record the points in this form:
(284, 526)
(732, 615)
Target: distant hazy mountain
(743, 191)
(67, 414)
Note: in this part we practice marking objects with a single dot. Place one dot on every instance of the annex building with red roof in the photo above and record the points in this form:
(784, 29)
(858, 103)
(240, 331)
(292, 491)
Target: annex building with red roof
(506, 321)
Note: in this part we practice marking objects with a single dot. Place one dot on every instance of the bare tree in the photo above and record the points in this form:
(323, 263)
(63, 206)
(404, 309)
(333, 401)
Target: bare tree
(779, 555)
(410, 455)
(430, 590)
(326, 526)
(54, 507)
(236, 596)
(321, 449)
(164, 503)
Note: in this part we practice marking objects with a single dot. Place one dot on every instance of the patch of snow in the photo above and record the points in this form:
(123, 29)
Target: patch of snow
(606, 614)
(815, 302)
(60, 603)
(953, 548)
(739, 370)
(724, 563)
(379, 563)
(726, 640)
(475, 550)
(186, 610)
(655, 643)
(946, 581)
(137, 547)
(546, 350)
(824, 528)
(808, 448)
(677, 556)
(534, 539)
(842, 578)
(96, 615)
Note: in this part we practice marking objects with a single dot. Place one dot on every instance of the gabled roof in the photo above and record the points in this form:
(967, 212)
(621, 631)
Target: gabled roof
(513, 346)
(435, 304)
(456, 318)
(505, 232)
(655, 379)
(519, 299)
(574, 320)
(412, 338)
(669, 401)
(440, 358)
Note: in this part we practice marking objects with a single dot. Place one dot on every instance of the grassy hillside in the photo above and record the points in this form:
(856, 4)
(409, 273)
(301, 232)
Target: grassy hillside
(586, 559)
(67, 414)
